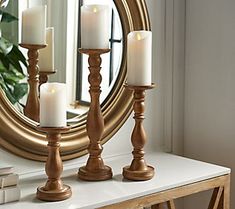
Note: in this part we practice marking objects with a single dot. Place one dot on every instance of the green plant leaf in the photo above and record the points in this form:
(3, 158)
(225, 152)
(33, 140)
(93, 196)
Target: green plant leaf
(11, 60)
(5, 46)
(4, 3)
(17, 73)
(15, 57)
(10, 96)
(11, 78)
(15, 63)
(6, 17)
(2, 69)
(16, 52)
(20, 89)
(1, 80)
(8, 92)
(4, 61)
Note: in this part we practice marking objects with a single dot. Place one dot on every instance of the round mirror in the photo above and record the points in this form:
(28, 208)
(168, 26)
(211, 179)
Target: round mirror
(18, 133)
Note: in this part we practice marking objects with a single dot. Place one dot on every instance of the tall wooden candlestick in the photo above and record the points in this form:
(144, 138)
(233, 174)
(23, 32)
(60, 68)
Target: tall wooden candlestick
(95, 170)
(54, 190)
(138, 170)
(31, 109)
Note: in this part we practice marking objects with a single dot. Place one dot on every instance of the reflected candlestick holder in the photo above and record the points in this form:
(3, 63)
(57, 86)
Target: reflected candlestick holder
(95, 170)
(31, 109)
(54, 189)
(43, 77)
(138, 170)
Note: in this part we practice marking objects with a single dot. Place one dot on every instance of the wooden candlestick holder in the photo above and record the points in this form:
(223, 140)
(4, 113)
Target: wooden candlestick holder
(31, 109)
(54, 190)
(43, 77)
(95, 170)
(138, 170)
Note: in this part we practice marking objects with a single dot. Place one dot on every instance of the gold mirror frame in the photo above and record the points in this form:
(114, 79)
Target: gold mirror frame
(18, 134)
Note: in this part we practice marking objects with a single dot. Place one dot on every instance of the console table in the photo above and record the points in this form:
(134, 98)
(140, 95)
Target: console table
(175, 177)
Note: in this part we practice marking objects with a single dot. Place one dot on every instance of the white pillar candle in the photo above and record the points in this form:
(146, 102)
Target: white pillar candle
(95, 27)
(34, 25)
(46, 55)
(53, 105)
(139, 58)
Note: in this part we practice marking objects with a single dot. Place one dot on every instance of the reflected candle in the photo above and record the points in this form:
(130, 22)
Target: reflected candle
(139, 58)
(34, 25)
(53, 105)
(95, 27)
(46, 55)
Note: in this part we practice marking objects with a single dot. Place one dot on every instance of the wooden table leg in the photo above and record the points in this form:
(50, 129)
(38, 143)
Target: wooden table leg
(216, 198)
(226, 194)
(221, 196)
(170, 205)
(158, 206)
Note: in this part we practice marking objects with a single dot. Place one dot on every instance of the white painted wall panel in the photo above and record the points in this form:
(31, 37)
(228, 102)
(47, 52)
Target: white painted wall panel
(209, 85)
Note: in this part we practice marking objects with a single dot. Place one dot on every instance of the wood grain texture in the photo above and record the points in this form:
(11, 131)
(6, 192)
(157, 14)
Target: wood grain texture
(54, 190)
(178, 192)
(138, 170)
(171, 204)
(95, 170)
(216, 197)
(31, 109)
(158, 206)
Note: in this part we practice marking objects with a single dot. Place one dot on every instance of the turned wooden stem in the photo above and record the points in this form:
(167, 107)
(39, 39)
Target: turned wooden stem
(54, 189)
(138, 170)
(31, 109)
(54, 165)
(95, 168)
(138, 137)
(95, 121)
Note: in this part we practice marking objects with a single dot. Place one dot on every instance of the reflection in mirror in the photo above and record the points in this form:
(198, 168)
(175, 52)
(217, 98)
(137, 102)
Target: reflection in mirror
(71, 66)
(11, 59)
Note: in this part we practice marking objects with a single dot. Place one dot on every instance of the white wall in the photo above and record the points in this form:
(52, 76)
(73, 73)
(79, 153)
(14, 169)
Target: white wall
(120, 143)
(209, 87)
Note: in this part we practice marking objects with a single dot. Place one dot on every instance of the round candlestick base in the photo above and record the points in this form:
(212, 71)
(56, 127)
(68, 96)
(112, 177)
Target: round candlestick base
(101, 174)
(138, 175)
(54, 195)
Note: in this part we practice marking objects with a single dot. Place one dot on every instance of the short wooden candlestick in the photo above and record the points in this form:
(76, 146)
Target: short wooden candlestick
(43, 76)
(95, 170)
(138, 170)
(31, 109)
(54, 190)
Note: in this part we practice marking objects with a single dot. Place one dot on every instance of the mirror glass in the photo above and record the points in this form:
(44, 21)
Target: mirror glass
(71, 67)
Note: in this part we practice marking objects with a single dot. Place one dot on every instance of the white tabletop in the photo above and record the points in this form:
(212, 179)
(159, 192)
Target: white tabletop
(171, 171)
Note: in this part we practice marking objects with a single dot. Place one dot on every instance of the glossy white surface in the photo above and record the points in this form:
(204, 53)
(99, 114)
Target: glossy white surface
(171, 171)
